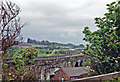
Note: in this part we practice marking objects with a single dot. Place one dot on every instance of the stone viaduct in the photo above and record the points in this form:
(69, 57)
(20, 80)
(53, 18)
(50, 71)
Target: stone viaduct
(45, 66)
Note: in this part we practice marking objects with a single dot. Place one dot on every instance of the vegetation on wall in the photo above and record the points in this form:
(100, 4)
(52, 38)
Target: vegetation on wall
(22, 60)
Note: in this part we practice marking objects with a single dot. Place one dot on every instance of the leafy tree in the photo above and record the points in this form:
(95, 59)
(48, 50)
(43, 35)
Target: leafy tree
(14, 51)
(81, 46)
(29, 40)
(29, 54)
(104, 44)
(22, 61)
(19, 63)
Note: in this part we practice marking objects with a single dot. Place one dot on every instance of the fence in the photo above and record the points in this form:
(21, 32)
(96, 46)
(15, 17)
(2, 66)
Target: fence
(98, 78)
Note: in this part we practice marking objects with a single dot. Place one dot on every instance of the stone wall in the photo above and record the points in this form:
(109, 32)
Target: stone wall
(44, 66)
(63, 61)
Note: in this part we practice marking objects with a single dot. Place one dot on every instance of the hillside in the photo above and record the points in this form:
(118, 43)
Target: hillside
(55, 44)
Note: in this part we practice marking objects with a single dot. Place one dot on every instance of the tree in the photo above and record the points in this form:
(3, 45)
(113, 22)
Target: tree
(29, 54)
(14, 51)
(104, 44)
(10, 27)
(23, 59)
(28, 40)
(81, 46)
(19, 63)
(10, 24)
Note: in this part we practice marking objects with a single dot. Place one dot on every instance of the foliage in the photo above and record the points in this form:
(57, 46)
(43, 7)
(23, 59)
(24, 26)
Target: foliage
(47, 52)
(54, 45)
(104, 44)
(14, 51)
(10, 28)
(86, 63)
(20, 66)
(72, 60)
(42, 51)
(29, 54)
(113, 80)
(19, 63)
(56, 52)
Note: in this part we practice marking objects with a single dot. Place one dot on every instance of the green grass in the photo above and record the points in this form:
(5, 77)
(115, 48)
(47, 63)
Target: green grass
(113, 80)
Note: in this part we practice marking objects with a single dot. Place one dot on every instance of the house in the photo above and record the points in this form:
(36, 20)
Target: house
(70, 52)
(71, 73)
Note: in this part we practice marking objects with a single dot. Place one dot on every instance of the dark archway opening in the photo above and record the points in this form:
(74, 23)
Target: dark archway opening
(76, 64)
(81, 63)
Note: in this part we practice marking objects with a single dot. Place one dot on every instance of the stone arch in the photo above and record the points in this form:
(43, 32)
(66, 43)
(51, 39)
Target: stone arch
(76, 64)
(81, 63)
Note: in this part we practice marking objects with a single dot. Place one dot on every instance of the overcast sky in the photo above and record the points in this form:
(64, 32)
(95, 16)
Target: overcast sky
(60, 20)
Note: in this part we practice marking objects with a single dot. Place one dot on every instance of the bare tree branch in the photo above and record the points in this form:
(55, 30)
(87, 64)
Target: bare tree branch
(10, 25)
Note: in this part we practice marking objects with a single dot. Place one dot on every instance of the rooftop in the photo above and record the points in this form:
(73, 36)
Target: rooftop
(75, 71)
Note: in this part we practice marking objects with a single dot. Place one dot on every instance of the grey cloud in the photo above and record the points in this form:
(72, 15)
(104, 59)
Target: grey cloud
(61, 21)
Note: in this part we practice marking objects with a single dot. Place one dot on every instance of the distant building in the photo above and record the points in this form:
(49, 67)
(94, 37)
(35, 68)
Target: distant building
(71, 73)
(71, 52)
(25, 45)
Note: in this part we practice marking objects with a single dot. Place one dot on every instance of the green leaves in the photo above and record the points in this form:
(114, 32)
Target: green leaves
(108, 5)
(104, 44)
(13, 51)
(112, 3)
(29, 54)
(19, 64)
